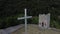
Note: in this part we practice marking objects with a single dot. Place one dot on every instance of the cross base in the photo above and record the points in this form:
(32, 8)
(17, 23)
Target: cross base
(25, 33)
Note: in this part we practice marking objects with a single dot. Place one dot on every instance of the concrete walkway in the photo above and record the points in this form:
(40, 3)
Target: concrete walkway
(11, 29)
(33, 29)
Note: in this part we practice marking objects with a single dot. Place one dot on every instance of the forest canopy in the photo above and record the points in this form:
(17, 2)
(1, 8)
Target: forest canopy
(11, 9)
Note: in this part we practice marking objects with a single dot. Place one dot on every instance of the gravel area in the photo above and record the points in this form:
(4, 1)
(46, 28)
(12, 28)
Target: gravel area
(33, 29)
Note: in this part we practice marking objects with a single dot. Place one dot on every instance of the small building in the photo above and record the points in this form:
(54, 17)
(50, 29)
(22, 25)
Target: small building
(44, 21)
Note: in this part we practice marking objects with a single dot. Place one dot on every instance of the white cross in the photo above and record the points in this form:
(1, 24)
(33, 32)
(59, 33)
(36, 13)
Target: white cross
(25, 17)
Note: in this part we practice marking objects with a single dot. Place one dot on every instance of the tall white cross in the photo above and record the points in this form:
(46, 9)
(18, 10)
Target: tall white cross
(25, 17)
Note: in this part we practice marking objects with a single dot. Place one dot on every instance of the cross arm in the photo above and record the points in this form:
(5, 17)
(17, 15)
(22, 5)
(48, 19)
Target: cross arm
(24, 17)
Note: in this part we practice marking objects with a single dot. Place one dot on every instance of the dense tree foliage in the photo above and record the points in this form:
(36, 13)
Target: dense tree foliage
(11, 9)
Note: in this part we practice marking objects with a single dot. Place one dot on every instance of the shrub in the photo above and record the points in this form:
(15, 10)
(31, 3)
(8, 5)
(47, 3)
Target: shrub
(9, 21)
(33, 20)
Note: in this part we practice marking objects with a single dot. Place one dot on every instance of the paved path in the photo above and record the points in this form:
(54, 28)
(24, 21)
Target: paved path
(11, 29)
(33, 29)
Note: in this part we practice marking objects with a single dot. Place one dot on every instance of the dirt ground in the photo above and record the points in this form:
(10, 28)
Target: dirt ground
(34, 29)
